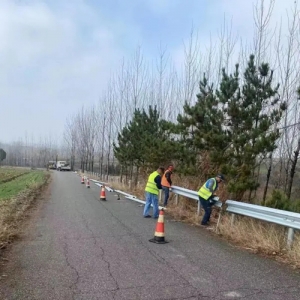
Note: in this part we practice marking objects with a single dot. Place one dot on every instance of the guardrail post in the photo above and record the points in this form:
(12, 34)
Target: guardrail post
(232, 219)
(160, 196)
(176, 199)
(290, 238)
(129, 182)
(199, 208)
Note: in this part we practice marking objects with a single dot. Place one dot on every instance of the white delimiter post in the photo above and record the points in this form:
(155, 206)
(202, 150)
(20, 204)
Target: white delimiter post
(199, 208)
(290, 238)
(160, 196)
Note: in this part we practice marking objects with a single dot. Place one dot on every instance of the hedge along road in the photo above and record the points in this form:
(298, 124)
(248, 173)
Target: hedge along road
(80, 248)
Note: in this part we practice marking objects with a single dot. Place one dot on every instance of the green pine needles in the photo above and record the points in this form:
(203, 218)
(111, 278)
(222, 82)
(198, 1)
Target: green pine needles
(228, 129)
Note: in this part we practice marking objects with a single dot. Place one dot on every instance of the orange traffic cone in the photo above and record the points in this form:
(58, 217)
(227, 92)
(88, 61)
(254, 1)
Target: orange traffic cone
(82, 180)
(87, 183)
(159, 235)
(102, 193)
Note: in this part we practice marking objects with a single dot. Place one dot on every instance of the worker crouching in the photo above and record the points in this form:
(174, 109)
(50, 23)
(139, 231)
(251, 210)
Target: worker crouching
(206, 193)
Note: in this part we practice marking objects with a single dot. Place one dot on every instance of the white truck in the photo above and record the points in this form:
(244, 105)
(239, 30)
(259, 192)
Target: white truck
(52, 165)
(62, 166)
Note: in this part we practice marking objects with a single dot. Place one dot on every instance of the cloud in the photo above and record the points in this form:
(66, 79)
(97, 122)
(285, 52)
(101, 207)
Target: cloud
(56, 55)
(52, 60)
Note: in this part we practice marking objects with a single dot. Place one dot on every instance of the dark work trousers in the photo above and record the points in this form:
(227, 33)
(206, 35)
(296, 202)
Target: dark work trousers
(207, 208)
(166, 194)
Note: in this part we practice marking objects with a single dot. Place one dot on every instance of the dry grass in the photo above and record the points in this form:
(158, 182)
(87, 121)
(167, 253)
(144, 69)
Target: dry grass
(261, 237)
(12, 209)
(294, 254)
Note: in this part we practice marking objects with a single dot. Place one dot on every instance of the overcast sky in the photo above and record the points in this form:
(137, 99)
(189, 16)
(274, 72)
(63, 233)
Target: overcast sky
(56, 55)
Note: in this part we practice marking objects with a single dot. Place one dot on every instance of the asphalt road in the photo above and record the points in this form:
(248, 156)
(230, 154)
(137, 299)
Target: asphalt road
(80, 248)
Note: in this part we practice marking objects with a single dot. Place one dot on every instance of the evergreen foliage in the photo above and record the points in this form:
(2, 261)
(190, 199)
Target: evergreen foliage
(145, 141)
(2, 155)
(225, 130)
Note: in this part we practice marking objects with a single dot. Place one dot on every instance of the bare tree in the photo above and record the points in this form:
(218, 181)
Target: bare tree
(191, 67)
(262, 38)
(138, 76)
(289, 68)
(71, 139)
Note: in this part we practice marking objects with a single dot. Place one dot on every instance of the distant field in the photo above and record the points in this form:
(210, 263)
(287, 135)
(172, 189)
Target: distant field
(18, 182)
(18, 190)
(8, 174)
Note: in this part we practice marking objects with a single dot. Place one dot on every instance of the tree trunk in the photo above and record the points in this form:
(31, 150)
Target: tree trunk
(287, 175)
(131, 171)
(293, 168)
(101, 165)
(107, 167)
(278, 181)
(268, 180)
(121, 173)
(136, 179)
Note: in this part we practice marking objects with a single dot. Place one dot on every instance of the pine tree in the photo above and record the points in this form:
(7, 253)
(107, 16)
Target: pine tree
(200, 129)
(145, 141)
(251, 110)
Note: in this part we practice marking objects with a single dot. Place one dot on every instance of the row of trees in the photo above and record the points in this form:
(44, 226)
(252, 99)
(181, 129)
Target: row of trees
(206, 115)
(30, 152)
(243, 121)
(231, 129)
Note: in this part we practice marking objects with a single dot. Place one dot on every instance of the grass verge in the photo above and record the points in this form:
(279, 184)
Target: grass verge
(16, 196)
(8, 174)
(261, 237)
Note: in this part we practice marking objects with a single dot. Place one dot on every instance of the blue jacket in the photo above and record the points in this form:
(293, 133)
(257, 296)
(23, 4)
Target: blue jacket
(157, 180)
(210, 183)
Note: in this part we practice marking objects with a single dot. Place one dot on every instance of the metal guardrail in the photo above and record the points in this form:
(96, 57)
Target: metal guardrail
(285, 218)
(133, 198)
(180, 191)
(276, 216)
(125, 194)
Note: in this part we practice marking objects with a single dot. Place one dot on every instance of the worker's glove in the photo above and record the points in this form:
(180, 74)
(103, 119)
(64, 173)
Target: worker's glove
(170, 189)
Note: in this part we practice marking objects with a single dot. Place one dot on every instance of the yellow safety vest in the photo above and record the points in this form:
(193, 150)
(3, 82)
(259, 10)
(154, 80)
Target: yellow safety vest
(204, 192)
(151, 185)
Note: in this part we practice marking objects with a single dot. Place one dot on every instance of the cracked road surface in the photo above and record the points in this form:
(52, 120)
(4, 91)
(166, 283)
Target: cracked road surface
(80, 248)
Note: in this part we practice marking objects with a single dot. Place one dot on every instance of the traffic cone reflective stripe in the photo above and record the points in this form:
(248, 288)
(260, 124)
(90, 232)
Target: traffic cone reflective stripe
(160, 226)
(102, 194)
(159, 235)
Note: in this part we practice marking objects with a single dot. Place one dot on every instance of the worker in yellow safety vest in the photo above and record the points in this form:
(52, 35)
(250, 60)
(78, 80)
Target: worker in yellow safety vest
(151, 192)
(206, 193)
